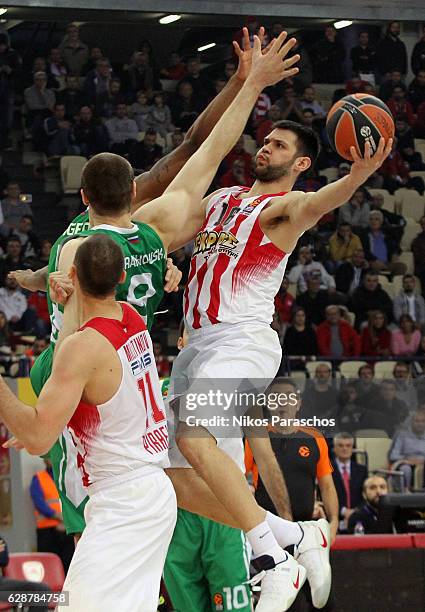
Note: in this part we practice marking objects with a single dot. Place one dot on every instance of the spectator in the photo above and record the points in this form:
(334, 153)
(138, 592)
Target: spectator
(261, 109)
(418, 54)
(141, 73)
(366, 387)
(37, 316)
(10, 64)
(29, 240)
(237, 175)
(409, 302)
(176, 69)
(200, 85)
(392, 221)
(97, 81)
(368, 297)
(56, 67)
(75, 53)
(350, 410)
(107, 101)
(265, 127)
(39, 65)
(122, 131)
(389, 411)
(316, 243)
(396, 173)
(177, 138)
(391, 52)
(355, 85)
(314, 300)
(376, 337)
(328, 58)
(290, 105)
(284, 301)
(140, 111)
(186, 107)
(238, 152)
(348, 477)
(39, 100)
(363, 55)
(13, 208)
(343, 244)
(405, 389)
(95, 54)
(408, 447)
(43, 257)
(306, 267)
(406, 340)
(418, 250)
(399, 105)
(19, 587)
(58, 131)
(38, 346)
(395, 79)
(304, 77)
(380, 247)
(146, 153)
(356, 211)
(160, 116)
(72, 97)
(320, 396)
(366, 514)
(13, 259)
(12, 302)
(308, 100)
(349, 275)
(300, 338)
(416, 91)
(89, 136)
(335, 337)
(51, 536)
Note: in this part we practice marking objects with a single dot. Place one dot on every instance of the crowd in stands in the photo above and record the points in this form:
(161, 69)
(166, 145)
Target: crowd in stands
(350, 292)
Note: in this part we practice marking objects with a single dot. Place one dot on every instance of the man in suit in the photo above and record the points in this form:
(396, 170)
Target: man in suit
(348, 478)
(349, 275)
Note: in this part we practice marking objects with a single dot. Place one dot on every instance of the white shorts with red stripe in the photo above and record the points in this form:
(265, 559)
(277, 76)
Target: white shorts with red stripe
(233, 360)
(119, 559)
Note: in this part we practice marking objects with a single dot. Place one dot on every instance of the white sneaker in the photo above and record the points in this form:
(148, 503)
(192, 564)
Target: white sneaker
(313, 554)
(281, 585)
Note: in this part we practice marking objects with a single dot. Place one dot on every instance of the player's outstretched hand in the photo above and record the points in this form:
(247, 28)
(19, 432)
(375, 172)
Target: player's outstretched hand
(172, 277)
(25, 279)
(13, 443)
(60, 287)
(363, 167)
(270, 67)
(244, 54)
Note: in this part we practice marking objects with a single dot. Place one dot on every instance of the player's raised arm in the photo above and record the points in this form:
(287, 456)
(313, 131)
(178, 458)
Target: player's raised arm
(175, 216)
(153, 183)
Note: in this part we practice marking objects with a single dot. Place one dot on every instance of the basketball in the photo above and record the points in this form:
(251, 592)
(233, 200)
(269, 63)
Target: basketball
(357, 119)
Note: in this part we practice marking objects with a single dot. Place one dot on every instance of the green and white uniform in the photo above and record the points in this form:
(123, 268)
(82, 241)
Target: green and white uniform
(207, 564)
(145, 264)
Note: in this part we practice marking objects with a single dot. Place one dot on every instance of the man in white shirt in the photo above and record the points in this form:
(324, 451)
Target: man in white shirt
(121, 130)
(12, 301)
(409, 302)
(305, 267)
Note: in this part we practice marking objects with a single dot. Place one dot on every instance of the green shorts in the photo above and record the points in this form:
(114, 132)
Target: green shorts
(73, 517)
(207, 566)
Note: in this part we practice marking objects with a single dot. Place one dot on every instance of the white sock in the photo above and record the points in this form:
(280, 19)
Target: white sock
(287, 533)
(263, 542)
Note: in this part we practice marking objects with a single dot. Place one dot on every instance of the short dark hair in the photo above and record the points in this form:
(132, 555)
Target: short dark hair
(107, 181)
(308, 143)
(283, 380)
(99, 263)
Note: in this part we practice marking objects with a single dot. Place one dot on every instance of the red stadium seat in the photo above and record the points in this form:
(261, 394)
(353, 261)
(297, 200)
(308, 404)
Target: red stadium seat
(36, 567)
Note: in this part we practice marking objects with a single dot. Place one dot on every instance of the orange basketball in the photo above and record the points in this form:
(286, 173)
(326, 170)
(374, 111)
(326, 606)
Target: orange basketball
(357, 119)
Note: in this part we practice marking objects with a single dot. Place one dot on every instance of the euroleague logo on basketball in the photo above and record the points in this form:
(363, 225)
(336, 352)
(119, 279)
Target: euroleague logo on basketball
(366, 132)
(304, 451)
(209, 241)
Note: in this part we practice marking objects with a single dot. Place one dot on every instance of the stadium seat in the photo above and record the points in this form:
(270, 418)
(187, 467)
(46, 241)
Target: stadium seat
(312, 365)
(420, 146)
(389, 200)
(349, 369)
(411, 230)
(371, 433)
(71, 167)
(376, 449)
(37, 567)
(420, 173)
(300, 379)
(407, 258)
(384, 369)
(412, 203)
(330, 173)
(418, 477)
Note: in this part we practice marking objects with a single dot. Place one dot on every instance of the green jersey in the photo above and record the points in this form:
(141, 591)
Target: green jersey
(145, 265)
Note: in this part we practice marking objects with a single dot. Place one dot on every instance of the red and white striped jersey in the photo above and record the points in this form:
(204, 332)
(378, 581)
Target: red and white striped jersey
(235, 270)
(129, 431)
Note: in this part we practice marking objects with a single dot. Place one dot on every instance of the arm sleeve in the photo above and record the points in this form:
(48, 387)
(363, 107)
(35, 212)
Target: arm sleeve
(38, 499)
(324, 466)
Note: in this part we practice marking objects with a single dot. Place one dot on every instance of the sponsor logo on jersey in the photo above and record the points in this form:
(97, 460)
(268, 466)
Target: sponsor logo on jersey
(218, 601)
(248, 209)
(76, 228)
(304, 451)
(211, 241)
(135, 261)
(141, 363)
(136, 347)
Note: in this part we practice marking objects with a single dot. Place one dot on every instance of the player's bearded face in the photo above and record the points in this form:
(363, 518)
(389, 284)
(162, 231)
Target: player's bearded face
(267, 172)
